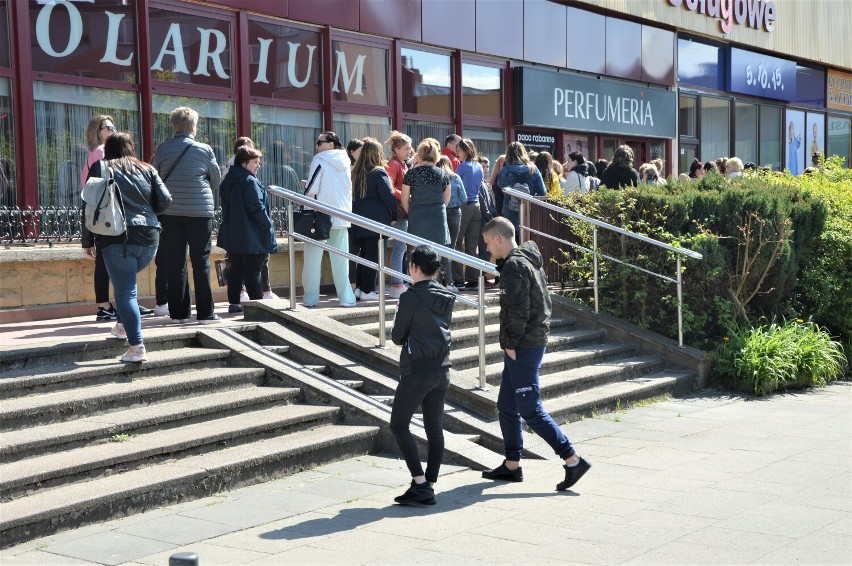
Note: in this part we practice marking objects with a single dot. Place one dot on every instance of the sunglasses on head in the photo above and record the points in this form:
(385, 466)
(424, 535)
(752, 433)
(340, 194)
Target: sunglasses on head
(319, 141)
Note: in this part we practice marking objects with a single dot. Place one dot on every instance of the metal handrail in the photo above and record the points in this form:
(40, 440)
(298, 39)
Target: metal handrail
(525, 199)
(384, 231)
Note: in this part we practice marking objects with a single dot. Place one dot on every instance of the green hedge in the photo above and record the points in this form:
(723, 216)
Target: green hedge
(792, 233)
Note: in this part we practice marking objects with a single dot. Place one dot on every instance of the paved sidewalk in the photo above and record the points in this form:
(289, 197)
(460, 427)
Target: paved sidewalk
(707, 479)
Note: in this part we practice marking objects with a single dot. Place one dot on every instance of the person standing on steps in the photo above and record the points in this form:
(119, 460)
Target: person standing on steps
(524, 326)
(422, 328)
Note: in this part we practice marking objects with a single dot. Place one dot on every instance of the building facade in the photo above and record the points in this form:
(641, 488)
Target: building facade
(768, 81)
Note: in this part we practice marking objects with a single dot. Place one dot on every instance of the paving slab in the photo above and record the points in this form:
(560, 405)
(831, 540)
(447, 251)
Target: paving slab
(707, 479)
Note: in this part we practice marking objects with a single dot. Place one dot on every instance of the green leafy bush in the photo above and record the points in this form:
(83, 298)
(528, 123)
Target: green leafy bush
(767, 358)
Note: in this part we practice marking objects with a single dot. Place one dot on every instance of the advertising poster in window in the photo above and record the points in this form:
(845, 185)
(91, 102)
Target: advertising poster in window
(796, 141)
(815, 132)
(574, 142)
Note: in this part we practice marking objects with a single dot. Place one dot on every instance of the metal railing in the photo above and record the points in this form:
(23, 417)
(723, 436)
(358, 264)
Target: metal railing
(526, 200)
(384, 231)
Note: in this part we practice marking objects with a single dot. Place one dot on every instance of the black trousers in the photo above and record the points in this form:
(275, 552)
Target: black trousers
(180, 232)
(101, 277)
(245, 269)
(367, 248)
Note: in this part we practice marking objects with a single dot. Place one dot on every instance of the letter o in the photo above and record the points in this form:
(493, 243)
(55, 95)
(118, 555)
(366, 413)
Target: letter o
(740, 9)
(75, 30)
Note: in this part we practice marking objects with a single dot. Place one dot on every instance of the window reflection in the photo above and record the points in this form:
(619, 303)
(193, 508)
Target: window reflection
(745, 122)
(715, 128)
(419, 130)
(356, 126)
(426, 83)
(284, 62)
(8, 184)
(770, 137)
(839, 137)
(359, 73)
(490, 142)
(62, 113)
(216, 124)
(481, 90)
(4, 34)
(188, 48)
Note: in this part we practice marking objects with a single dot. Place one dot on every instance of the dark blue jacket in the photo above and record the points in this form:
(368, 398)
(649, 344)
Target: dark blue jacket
(378, 203)
(246, 226)
(512, 173)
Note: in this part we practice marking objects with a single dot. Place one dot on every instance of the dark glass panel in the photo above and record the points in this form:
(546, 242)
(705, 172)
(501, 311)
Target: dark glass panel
(190, 49)
(623, 49)
(544, 33)
(810, 86)
(839, 137)
(715, 128)
(284, 62)
(586, 41)
(497, 20)
(687, 119)
(745, 130)
(770, 137)
(5, 58)
(658, 55)
(9, 192)
(84, 40)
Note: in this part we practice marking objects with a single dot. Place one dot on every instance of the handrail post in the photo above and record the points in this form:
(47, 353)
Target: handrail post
(381, 277)
(291, 246)
(595, 262)
(679, 304)
(521, 209)
(482, 383)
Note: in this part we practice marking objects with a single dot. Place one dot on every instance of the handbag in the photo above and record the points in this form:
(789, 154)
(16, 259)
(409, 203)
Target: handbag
(312, 223)
(104, 211)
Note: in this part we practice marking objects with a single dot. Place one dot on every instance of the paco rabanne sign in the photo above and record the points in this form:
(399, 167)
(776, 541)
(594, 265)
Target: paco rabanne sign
(757, 14)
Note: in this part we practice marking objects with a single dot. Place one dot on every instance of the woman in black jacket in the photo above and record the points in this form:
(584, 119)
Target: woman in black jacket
(422, 328)
(372, 197)
(246, 231)
(620, 173)
(143, 197)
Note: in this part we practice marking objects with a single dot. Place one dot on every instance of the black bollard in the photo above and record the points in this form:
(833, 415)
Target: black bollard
(183, 559)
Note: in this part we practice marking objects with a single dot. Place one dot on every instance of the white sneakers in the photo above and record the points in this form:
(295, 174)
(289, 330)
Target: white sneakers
(135, 354)
(244, 296)
(267, 295)
(161, 310)
(372, 296)
(117, 331)
(395, 291)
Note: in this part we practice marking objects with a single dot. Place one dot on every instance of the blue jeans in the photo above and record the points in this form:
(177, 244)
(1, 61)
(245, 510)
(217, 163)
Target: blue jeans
(412, 392)
(399, 249)
(122, 268)
(519, 398)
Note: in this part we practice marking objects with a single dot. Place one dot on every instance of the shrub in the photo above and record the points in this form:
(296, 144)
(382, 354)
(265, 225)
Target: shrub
(767, 358)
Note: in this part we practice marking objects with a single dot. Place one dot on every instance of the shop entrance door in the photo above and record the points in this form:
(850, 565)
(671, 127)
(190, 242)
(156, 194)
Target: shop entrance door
(640, 151)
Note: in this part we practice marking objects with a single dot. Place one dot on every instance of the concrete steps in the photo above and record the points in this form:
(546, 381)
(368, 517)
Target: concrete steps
(85, 437)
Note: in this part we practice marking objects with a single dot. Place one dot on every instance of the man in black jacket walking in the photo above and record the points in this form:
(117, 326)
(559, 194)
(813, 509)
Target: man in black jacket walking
(524, 326)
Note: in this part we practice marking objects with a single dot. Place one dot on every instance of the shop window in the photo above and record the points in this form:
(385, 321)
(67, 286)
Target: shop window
(357, 126)
(584, 143)
(700, 64)
(5, 58)
(715, 128)
(814, 139)
(91, 40)
(419, 130)
(490, 142)
(284, 62)
(426, 83)
(190, 49)
(839, 137)
(770, 137)
(482, 89)
(62, 113)
(286, 137)
(8, 184)
(359, 73)
(745, 123)
(687, 117)
(216, 124)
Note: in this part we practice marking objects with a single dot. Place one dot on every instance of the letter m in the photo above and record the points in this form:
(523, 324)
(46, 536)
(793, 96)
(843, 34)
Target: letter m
(356, 75)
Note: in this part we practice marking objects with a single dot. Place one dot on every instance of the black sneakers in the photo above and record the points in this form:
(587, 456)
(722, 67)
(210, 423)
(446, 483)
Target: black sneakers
(417, 494)
(501, 472)
(573, 474)
(106, 314)
(145, 311)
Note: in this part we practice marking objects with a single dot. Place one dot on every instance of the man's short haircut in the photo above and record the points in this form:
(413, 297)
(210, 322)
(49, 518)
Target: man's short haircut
(452, 138)
(183, 119)
(500, 226)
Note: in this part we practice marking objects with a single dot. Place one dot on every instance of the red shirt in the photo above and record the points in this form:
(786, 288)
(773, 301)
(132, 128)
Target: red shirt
(396, 171)
(452, 156)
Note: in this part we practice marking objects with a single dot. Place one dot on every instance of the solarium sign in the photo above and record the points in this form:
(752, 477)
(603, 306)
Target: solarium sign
(188, 49)
(756, 14)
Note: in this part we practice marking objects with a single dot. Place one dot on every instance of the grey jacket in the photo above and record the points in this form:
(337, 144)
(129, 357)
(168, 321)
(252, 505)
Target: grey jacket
(193, 181)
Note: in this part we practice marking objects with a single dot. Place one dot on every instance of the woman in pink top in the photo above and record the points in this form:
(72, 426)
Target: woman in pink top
(401, 151)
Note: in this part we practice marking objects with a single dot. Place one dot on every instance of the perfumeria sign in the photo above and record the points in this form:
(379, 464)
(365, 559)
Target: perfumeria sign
(573, 102)
(755, 14)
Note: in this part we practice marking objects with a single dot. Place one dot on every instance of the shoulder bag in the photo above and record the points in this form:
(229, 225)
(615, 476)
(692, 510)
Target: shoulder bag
(312, 223)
